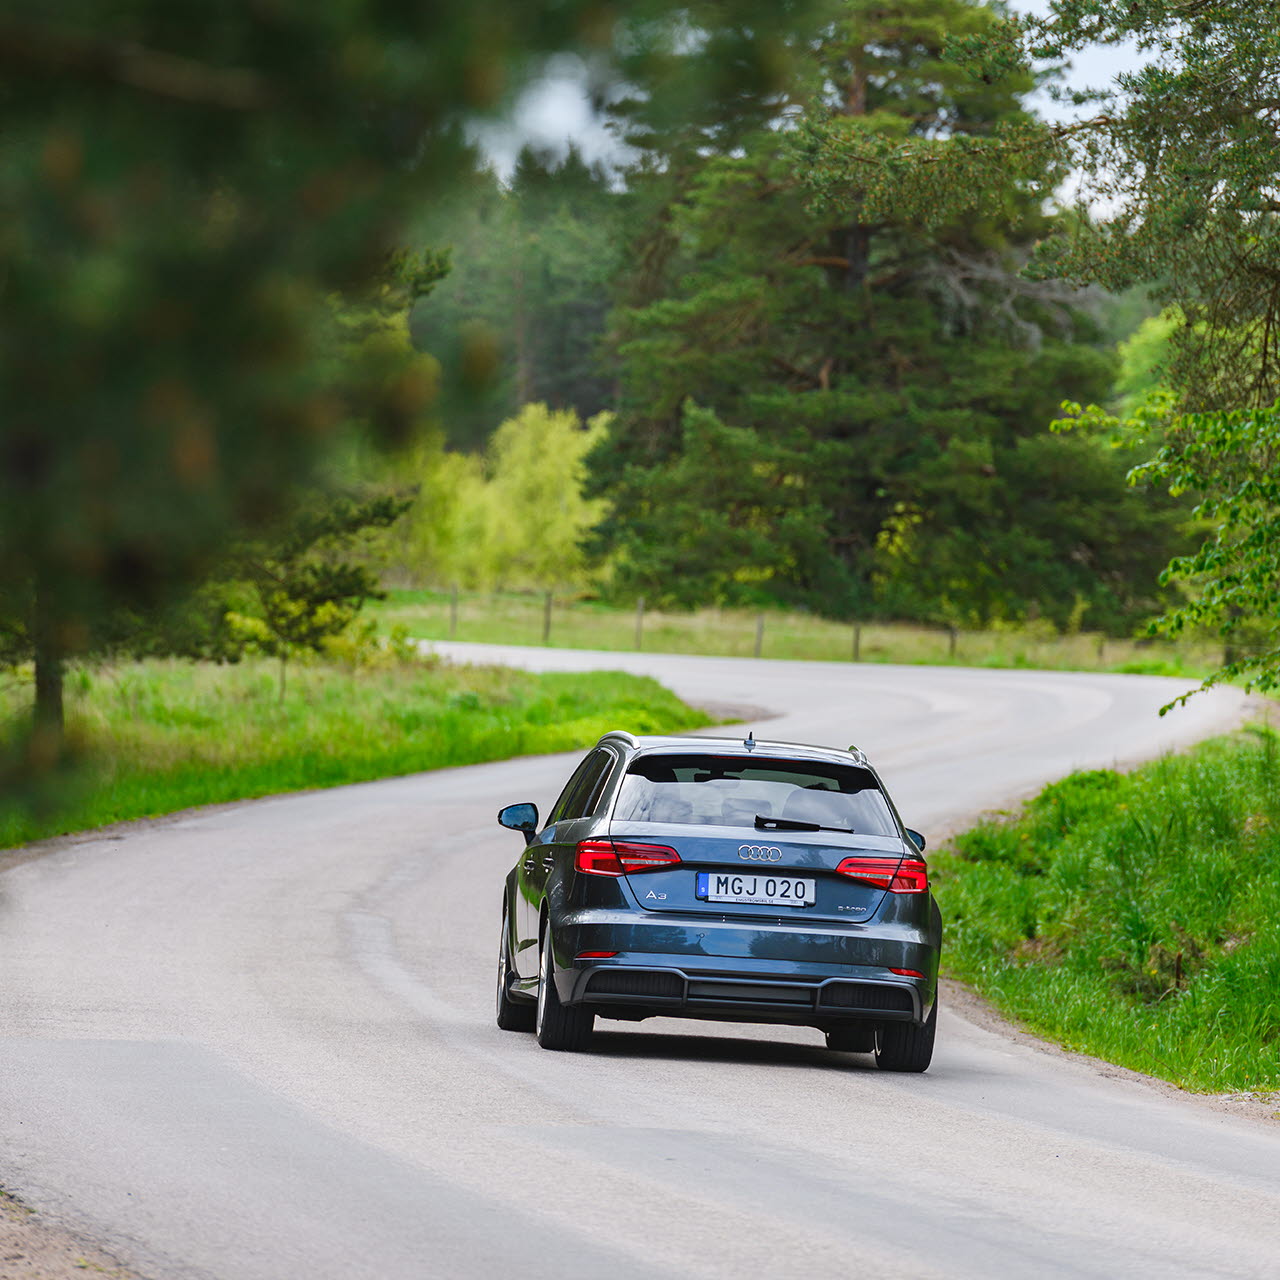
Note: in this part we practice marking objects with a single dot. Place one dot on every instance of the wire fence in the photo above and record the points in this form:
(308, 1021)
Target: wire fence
(567, 622)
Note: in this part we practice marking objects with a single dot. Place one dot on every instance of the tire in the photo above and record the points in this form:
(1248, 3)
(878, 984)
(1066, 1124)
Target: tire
(513, 1015)
(852, 1038)
(558, 1026)
(904, 1046)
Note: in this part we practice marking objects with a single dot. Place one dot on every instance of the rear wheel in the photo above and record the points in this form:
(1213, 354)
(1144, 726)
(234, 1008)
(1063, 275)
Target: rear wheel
(852, 1039)
(559, 1026)
(904, 1046)
(513, 1015)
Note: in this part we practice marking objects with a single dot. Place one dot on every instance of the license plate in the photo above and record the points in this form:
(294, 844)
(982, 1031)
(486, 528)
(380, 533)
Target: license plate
(755, 889)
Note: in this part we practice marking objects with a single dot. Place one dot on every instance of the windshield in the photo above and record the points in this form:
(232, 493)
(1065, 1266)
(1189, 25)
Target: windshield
(733, 791)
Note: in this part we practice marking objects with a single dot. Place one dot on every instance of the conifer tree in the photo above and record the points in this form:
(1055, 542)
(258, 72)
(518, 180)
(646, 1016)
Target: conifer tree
(183, 191)
(862, 389)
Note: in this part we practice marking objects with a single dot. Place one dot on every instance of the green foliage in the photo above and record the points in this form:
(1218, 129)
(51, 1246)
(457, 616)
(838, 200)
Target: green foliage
(308, 589)
(178, 199)
(1185, 148)
(896, 94)
(198, 206)
(727, 518)
(1227, 459)
(826, 401)
(1144, 358)
(528, 293)
(1044, 525)
(514, 516)
(165, 735)
(291, 593)
(1230, 459)
(1183, 153)
(1132, 917)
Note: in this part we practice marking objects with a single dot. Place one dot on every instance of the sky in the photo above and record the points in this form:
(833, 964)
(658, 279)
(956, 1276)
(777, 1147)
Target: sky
(553, 111)
(1093, 67)
(556, 108)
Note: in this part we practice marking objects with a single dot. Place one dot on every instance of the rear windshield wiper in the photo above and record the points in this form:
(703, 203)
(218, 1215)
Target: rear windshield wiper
(793, 824)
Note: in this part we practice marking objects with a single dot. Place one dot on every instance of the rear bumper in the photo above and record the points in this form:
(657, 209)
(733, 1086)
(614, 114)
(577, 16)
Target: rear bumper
(789, 960)
(684, 939)
(676, 964)
(643, 986)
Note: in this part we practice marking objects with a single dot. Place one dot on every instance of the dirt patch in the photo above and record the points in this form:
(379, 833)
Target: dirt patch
(32, 1249)
(1262, 1107)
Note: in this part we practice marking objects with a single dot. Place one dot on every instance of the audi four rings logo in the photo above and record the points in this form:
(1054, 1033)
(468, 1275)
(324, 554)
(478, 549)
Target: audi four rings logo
(759, 853)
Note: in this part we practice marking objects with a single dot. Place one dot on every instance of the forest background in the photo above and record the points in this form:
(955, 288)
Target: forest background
(284, 334)
(714, 392)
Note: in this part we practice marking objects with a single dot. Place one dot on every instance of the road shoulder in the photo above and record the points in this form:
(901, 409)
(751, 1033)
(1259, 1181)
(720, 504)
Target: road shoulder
(34, 1249)
(966, 1003)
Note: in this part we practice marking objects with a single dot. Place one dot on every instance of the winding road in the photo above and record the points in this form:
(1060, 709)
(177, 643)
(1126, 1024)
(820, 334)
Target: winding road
(256, 1042)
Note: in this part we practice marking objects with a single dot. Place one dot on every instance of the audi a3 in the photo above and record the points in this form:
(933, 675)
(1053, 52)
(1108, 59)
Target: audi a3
(725, 879)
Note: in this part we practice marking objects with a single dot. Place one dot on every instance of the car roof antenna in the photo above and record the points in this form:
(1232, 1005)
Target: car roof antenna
(750, 740)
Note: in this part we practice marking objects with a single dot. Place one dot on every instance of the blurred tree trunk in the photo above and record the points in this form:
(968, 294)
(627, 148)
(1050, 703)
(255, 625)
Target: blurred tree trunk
(524, 356)
(857, 244)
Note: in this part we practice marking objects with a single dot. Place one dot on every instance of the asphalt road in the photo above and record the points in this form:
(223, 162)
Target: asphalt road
(257, 1042)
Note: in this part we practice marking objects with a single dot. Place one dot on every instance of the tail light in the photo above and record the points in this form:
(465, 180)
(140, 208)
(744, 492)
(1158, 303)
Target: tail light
(908, 875)
(621, 857)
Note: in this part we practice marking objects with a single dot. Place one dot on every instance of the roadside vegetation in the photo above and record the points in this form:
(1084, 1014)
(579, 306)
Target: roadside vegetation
(522, 618)
(164, 734)
(1133, 917)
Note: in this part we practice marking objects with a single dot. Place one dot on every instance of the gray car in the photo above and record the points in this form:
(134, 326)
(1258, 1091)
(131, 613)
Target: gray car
(723, 879)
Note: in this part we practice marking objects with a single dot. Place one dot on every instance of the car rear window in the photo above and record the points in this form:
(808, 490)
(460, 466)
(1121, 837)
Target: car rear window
(731, 791)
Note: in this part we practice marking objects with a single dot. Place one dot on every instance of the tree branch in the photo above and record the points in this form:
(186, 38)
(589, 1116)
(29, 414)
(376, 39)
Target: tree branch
(819, 379)
(31, 48)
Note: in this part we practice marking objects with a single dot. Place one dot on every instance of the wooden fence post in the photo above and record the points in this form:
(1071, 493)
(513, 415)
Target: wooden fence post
(951, 642)
(857, 642)
(640, 623)
(453, 611)
(759, 633)
(546, 619)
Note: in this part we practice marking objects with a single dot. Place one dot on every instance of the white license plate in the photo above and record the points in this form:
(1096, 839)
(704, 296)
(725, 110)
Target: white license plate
(756, 888)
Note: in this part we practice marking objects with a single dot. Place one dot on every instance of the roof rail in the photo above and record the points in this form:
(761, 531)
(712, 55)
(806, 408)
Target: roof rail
(629, 738)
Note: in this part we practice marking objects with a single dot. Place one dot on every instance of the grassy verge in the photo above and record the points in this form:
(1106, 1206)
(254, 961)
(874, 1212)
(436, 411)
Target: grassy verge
(510, 618)
(161, 736)
(1134, 917)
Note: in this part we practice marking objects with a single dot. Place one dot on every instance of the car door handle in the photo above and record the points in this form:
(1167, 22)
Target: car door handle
(528, 864)
(548, 862)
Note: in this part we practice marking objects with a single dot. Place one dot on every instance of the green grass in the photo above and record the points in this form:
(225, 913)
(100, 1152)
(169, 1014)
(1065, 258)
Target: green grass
(159, 736)
(1134, 917)
(511, 618)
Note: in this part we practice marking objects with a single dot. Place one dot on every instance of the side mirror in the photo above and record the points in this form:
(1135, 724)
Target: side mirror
(917, 839)
(520, 817)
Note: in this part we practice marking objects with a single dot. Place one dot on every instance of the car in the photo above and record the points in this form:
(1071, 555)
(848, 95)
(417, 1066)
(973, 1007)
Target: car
(726, 879)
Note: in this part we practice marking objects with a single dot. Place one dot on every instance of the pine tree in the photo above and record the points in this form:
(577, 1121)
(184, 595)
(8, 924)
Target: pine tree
(528, 293)
(836, 368)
